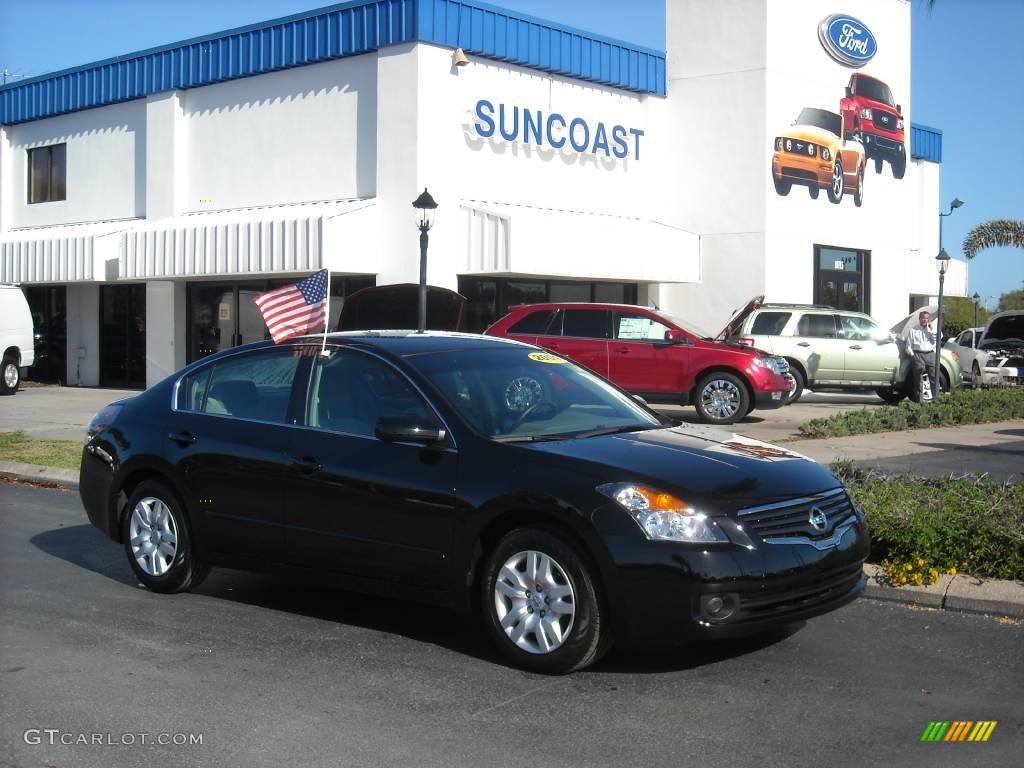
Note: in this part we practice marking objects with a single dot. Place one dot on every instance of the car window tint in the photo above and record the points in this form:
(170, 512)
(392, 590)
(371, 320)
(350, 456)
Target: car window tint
(254, 386)
(635, 327)
(192, 390)
(585, 323)
(769, 323)
(817, 326)
(352, 390)
(533, 323)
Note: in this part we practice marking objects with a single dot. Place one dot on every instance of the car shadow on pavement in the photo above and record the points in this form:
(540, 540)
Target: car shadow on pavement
(86, 547)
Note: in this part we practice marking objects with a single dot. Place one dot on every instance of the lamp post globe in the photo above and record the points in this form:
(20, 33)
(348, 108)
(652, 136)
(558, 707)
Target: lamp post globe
(425, 208)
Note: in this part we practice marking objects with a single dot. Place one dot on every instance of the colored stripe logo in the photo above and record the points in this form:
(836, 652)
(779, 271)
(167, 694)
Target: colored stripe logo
(958, 730)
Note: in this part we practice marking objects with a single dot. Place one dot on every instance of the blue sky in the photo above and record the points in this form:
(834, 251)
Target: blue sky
(967, 68)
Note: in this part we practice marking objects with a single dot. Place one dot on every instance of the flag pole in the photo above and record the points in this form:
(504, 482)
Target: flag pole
(327, 315)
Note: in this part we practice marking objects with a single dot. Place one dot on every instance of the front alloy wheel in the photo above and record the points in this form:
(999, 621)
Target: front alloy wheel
(541, 603)
(10, 377)
(722, 399)
(835, 190)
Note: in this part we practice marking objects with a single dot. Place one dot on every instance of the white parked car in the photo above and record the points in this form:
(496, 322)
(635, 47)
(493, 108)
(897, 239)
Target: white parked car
(1001, 348)
(17, 340)
(965, 346)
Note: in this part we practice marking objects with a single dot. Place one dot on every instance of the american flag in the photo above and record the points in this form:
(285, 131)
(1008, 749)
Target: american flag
(295, 309)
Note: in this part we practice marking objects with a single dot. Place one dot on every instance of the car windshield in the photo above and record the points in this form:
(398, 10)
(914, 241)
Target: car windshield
(820, 118)
(875, 90)
(686, 325)
(522, 394)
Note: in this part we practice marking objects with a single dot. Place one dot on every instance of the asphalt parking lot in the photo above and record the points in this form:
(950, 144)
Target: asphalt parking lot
(275, 673)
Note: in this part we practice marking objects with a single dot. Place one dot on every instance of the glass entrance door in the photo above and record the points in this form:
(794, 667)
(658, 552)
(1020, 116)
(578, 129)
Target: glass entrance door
(842, 278)
(123, 336)
(49, 321)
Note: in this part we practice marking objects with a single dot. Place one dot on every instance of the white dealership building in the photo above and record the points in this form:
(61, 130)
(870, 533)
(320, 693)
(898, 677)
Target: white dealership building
(144, 200)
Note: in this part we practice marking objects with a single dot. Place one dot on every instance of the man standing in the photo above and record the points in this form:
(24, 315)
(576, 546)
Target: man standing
(921, 343)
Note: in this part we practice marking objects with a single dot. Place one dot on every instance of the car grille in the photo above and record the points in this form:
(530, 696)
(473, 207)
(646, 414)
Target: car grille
(796, 147)
(886, 120)
(793, 518)
(797, 597)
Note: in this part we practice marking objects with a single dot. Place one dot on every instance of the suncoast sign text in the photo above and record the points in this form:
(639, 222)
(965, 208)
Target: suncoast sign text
(552, 129)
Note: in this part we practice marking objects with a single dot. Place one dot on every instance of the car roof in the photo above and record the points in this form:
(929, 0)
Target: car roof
(579, 305)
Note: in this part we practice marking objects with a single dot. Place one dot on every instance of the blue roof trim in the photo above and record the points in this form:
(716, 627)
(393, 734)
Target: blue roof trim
(925, 143)
(337, 31)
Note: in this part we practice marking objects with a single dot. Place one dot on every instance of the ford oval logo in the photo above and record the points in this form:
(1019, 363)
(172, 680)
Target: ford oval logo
(847, 40)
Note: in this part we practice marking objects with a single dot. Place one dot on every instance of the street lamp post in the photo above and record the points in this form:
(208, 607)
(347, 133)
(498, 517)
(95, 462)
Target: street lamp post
(957, 202)
(975, 298)
(942, 264)
(426, 209)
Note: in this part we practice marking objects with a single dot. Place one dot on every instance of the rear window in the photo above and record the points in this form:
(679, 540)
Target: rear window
(533, 323)
(817, 326)
(586, 323)
(255, 386)
(770, 323)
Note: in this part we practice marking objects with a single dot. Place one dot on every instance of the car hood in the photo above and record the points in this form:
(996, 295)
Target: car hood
(819, 136)
(1003, 329)
(721, 470)
(738, 317)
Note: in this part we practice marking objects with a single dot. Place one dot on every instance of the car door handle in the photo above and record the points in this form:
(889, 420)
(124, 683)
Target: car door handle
(184, 439)
(856, 346)
(803, 343)
(306, 464)
(624, 351)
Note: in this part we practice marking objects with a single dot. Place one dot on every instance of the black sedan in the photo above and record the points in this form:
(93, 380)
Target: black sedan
(476, 473)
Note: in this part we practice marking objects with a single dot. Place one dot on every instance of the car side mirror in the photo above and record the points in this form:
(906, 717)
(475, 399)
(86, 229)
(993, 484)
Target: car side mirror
(899, 109)
(408, 429)
(849, 92)
(675, 336)
(641, 400)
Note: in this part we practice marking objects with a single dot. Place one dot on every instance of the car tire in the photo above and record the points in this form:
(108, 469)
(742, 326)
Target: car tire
(943, 381)
(976, 375)
(879, 164)
(858, 194)
(157, 540)
(891, 396)
(899, 167)
(721, 398)
(781, 185)
(10, 375)
(838, 185)
(525, 629)
(798, 385)
(813, 191)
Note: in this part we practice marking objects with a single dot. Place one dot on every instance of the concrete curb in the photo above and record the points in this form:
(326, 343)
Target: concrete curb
(952, 593)
(35, 473)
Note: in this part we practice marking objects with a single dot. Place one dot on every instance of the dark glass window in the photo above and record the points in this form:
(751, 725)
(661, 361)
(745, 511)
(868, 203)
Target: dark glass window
(769, 323)
(534, 323)
(256, 386)
(47, 172)
(817, 326)
(585, 323)
(192, 391)
(352, 390)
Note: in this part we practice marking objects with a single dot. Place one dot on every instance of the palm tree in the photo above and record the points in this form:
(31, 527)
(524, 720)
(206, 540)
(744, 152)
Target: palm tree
(994, 234)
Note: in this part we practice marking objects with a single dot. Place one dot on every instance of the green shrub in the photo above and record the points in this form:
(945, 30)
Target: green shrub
(965, 406)
(974, 524)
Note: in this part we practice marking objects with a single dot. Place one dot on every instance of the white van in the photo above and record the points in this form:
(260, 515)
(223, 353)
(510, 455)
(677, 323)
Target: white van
(16, 338)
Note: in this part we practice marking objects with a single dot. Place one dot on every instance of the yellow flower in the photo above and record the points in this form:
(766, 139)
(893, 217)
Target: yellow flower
(920, 562)
(952, 571)
(919, 579)
(934, 574)
(909, 567)
(903, 579)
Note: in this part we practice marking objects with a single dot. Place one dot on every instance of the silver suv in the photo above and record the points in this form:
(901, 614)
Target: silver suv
(833, 349)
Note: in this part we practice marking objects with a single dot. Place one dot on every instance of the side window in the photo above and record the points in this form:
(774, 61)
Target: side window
(769, 323)
(192, 390)
(585, 323)
(817, 326)
(352, 390)
(858, 328)
(966, 339)
(634, 327)
(256, 386)
(535, 323)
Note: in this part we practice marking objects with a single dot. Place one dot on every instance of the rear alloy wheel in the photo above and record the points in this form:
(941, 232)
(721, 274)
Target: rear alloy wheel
(722, 398)
(156, 540)
(541, 603)
(835, 190)
(796, 388)
(10, 376)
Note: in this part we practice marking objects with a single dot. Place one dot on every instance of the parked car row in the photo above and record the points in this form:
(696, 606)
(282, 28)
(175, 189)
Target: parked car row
(992, 355)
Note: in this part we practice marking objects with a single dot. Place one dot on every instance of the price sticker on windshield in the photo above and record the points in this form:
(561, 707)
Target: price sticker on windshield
(546, 357)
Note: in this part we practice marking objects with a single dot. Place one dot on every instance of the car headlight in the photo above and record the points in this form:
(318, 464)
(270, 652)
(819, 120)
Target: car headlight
(810, 150)
(778, 143)
(866, 113)
(825, 154)
(899, 124)
(662, 516)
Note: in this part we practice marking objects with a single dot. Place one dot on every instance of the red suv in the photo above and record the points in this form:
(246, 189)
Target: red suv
(650, 354)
